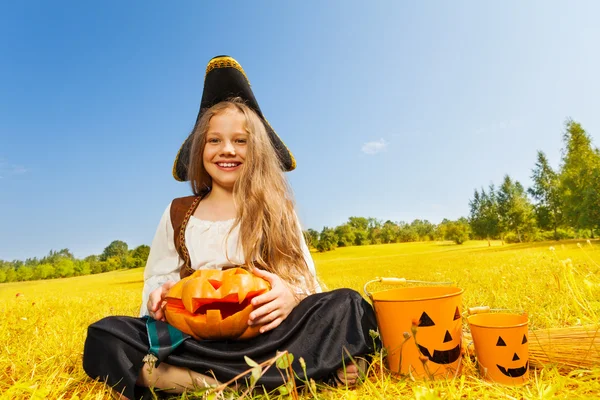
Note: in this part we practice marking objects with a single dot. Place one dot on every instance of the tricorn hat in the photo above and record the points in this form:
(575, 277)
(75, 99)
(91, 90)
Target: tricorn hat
(225, 79)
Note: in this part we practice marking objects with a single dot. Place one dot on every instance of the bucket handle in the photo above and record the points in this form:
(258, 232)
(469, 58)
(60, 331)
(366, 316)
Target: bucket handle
(397, 281)
(487, 309)
(478, 310)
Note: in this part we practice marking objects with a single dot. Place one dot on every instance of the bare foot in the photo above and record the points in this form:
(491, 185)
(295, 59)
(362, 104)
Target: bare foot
(352, 374)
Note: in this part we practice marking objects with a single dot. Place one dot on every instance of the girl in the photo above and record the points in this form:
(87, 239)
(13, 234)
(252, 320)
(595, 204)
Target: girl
(241, 213)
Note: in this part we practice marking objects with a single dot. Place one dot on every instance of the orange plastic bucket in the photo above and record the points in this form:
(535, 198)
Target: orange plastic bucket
(421, 328)
(501, 347)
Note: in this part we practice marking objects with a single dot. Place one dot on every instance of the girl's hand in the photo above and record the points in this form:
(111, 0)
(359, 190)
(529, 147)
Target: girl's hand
(156, 301)
(273, 307)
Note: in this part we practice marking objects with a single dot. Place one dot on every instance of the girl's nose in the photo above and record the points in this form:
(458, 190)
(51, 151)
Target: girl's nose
(228, 147)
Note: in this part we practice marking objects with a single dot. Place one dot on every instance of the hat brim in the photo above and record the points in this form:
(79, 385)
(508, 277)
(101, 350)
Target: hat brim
(225, 79)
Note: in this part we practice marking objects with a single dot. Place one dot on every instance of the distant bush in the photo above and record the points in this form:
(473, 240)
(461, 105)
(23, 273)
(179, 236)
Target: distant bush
(561, 234)
(511, 237)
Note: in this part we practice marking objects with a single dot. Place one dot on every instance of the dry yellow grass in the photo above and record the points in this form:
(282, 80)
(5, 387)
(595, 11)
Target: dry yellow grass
(42, 331)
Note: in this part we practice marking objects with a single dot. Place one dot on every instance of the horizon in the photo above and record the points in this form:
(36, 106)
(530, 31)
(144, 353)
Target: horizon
(392, 111)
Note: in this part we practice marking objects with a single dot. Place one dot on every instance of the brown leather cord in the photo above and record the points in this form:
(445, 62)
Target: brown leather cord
(181, 210)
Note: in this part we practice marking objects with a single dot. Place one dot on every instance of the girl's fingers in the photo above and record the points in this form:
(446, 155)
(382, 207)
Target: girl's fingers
(266, 318)
(274, 324)
(262, 314)
(264, 298)
(269, 276)
(155, 300)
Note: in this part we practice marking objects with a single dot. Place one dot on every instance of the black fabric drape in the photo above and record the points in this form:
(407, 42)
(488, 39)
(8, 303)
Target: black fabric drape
(325, 329)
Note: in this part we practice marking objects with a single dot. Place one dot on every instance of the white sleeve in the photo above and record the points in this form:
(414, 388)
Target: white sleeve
(310, 263)
(163, 261)
(308, 259)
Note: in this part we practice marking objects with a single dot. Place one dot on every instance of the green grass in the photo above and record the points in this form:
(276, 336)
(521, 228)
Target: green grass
(43, 330)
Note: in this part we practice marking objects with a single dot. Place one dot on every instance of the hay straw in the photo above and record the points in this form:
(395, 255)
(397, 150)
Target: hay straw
(576, 347)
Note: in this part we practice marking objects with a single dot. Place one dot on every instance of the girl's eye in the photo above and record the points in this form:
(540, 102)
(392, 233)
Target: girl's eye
(213, 140)
(242, 141)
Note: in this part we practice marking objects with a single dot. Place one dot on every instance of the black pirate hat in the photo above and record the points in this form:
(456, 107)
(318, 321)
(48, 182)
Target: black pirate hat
(225, 79)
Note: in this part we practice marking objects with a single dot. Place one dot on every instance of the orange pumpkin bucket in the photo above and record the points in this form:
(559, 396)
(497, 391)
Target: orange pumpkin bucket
(500, 341)
(421, 328)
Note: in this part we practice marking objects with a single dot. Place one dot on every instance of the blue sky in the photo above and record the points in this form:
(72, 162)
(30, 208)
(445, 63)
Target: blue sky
(393, 110)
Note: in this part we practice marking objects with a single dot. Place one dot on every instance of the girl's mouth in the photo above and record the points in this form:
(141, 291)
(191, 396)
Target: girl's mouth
(228, 166)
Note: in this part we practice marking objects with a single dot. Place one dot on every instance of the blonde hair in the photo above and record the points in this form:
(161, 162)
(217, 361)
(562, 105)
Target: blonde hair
(270, 235)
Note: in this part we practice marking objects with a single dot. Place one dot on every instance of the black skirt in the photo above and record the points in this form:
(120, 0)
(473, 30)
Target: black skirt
(325, 329)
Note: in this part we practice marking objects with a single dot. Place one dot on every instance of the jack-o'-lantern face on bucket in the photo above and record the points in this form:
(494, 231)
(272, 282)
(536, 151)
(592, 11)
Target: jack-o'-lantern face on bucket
(515, 367)
(214, 304)
(445, 348)
(421, 329)
(501, 347)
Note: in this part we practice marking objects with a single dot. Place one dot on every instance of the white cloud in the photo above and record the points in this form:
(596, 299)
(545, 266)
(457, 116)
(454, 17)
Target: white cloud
(17, 169)
(374, 147)
(8, 169)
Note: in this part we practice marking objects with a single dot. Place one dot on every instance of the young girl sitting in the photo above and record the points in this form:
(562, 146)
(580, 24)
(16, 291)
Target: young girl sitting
(241, 214)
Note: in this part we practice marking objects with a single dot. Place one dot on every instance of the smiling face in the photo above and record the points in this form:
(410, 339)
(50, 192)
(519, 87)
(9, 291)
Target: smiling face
(421, 329)
(520, 366)
(501, 347)
(225, 148)
(446, 350)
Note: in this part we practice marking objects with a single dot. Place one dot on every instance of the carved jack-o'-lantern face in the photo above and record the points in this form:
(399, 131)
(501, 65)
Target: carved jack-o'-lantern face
(518, 370)
(215, 304)
(440, 340)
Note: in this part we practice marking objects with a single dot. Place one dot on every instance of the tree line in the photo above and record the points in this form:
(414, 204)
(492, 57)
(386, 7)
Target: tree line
(561, 204)
(359, 231)
(62, 263)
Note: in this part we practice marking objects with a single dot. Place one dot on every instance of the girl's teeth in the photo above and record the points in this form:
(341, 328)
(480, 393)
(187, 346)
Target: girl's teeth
(227, 165)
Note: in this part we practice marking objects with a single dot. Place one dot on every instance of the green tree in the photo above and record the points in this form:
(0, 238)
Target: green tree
(96, 267)
(327, 240)
(140, 255)
(361, 237)
(373, 231)
(312, 238)
(111, 264)
(514, 209)
(425, 230)
(65, 267)
(592, 195)
(116, 248)
(577, 177)
(546, 191)
(44, 271)
(389, 232)
(406, 233)
(345, 235)
(360, 227)
(457, 231)
(24, 273)
(11, 275)
(359, 223)
(82, 267)
(483, 217)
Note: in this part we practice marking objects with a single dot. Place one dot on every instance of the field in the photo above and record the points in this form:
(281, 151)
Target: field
(42, 330)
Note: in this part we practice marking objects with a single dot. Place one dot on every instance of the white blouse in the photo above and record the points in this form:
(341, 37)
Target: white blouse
(209, 246)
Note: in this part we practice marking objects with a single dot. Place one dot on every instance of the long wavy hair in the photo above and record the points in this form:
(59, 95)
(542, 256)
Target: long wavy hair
(270, 234)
